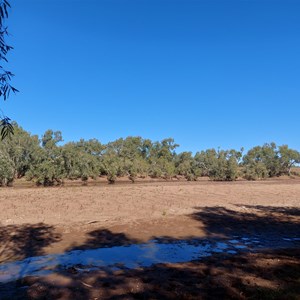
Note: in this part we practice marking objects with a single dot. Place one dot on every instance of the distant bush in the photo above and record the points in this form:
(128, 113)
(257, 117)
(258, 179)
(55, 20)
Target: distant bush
(6, 170)
(221, 165)
(46, 162)
(269, 160)
(255, 170)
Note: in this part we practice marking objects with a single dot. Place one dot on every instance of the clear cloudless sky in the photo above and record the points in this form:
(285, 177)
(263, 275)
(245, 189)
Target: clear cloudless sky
(207, 73)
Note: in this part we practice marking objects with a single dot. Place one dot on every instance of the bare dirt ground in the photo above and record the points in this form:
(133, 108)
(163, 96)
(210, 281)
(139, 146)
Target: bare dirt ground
(38, 221)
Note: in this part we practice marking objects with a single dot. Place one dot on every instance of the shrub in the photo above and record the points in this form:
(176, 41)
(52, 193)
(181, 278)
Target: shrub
(6, 170)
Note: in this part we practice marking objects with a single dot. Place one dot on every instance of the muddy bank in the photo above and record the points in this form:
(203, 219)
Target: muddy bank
(231, 231)
(240, 255)
(162, 250)
(266, 275)
(271, 223)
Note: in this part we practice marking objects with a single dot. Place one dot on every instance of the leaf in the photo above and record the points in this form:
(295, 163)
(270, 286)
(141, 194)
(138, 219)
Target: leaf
(7, 3)
(7, 128)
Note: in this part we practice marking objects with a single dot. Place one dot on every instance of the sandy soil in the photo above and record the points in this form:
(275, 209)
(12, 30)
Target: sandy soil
(68, 215)
(37, 221)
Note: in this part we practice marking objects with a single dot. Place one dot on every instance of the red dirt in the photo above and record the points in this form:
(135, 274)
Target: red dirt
(37, 221)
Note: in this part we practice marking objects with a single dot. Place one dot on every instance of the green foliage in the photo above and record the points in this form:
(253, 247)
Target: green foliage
(288, 158)
(269, 160)
(219, 165)
(255, 170)
(6, 169)
(47, 173)
(20, 152)
(110, 165)
(6, 128)
(187, 166)
(81, 160)
(46, 162)
(161, 159)
(48, 166)
(21, 148)
(5, 76)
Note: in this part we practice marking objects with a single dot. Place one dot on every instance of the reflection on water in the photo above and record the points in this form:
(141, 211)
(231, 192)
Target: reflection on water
(137, 255)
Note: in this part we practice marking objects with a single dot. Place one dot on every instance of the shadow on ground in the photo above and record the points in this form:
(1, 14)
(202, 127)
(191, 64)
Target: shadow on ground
(266, 221)
(19, 242)
(269, 274)
(287, 211)
(102, 238)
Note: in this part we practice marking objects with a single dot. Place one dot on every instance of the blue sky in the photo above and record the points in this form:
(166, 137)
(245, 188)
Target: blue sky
(207, 73)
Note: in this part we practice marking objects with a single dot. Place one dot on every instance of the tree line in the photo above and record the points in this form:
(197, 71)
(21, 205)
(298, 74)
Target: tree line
(46, 162)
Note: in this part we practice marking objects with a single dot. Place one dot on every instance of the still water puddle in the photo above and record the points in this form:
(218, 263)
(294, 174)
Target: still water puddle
(133, 256)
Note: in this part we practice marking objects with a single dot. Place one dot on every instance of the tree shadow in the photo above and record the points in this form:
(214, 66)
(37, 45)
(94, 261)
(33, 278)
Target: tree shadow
(227, 223)
(104, 238)
(21, 241)
(266, 274)
(286, 211)
(18, 242)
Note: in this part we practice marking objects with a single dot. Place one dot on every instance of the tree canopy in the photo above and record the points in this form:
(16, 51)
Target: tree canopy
(47, 161)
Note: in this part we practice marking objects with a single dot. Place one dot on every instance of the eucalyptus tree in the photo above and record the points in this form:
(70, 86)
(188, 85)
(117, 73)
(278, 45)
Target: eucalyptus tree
(48, 167)
(161, 158)
(186, 165)
(269, 160)
(287, 159)
(6, 169)
(5, 76)
(82, 159)
(258, 161)
(206, 161)
(219, 164)
(22, 149)
(110, 164)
